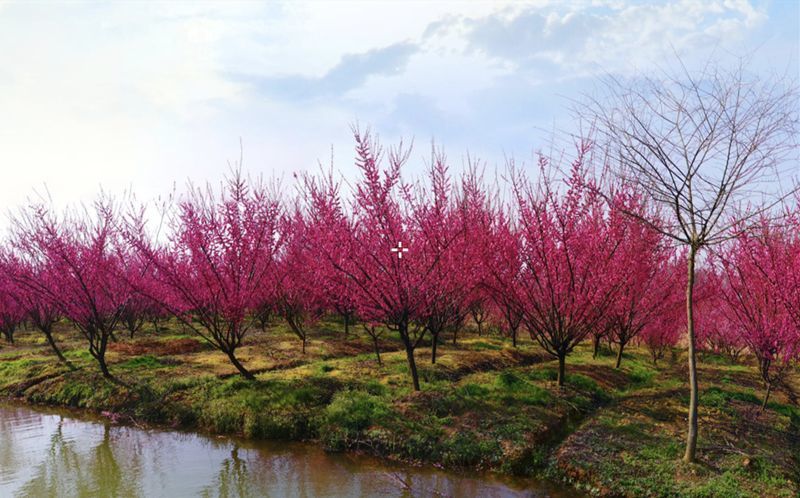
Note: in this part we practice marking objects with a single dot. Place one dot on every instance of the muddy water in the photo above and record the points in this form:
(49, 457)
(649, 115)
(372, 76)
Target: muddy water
(54, 453)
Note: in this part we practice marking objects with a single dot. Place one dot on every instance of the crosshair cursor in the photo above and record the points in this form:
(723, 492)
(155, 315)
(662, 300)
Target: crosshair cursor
(399, 250)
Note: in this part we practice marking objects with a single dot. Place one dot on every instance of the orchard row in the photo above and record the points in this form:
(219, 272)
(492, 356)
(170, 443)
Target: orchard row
(563, 258)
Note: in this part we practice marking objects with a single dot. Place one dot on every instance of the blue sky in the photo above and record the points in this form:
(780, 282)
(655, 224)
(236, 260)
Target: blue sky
(143, 95)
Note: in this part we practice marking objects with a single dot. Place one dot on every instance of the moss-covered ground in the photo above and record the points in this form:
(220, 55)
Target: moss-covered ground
(483, 405)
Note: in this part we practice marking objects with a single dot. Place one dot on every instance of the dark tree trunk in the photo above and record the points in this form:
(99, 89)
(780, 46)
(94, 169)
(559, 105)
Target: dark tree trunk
(101, 360)
(377, 349)
(297, 328)
(596, 342)
(101, 355)
(479, 315)
(562, 367)
(434, 343)
(513, 325)
(97, 348)
(766, 397)
(412, 364)
(51, 340)
(619, 353)
(243, 371)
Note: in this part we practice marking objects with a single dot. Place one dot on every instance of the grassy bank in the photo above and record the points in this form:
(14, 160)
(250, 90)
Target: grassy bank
(484, 405)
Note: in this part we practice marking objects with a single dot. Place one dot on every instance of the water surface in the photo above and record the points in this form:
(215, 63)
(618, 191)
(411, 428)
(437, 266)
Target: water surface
(46, 453)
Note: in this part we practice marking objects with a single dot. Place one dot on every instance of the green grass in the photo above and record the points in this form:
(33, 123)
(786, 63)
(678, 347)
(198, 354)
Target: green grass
(718, 397)
(349, 414)
(483, 405)
(485, 346)
(142, 362)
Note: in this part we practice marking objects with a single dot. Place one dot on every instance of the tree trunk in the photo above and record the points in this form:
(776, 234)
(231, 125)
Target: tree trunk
(412, 365)
(99, 354)
(104, 368)
(766, 397)
(243, 371)
(377, 349)
(596, 350)
(101, 360)
(298, 330)
(691, 438)
(562, 367)
(619, 353)
(54, 346)
(514, 337)
(433, 347)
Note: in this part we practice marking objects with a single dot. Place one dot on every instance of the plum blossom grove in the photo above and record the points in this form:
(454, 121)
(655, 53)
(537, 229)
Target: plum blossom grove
(544, 257)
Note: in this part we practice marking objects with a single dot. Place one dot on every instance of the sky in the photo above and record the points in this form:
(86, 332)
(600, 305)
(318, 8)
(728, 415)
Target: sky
(143, 96)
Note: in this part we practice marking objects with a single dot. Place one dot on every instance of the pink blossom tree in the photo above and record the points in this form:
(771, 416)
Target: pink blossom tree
(475, 206)
(388, 255)
(82, 252)
(568, 253)
(446, 220)
(298, 298)
(777, 257)
(665, 329)
(664, 332)
(140, 308)
(503, 270)
(644, 270)
(756, 307)
(12, 314)
(39, 310)
(218, 264)
(326, 222)
(716, 332)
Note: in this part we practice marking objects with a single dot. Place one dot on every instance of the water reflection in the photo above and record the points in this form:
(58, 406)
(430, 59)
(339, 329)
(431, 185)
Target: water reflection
(56, 455)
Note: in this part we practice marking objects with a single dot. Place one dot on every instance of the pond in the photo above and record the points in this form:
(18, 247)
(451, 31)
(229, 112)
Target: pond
(46, 452)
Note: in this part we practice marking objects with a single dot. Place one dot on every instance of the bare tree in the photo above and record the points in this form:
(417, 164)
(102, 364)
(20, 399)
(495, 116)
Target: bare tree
(710, 147)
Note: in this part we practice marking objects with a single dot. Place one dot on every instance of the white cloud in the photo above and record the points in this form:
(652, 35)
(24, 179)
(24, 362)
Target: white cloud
(141, 94)
(583, 38)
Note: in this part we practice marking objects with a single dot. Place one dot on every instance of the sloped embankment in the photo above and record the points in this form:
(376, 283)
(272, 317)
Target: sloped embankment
(633, 446)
